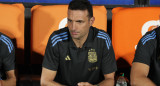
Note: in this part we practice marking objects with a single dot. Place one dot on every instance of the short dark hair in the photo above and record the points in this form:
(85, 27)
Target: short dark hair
(81, 5)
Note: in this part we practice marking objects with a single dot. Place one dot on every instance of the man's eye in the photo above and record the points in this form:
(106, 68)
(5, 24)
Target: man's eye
(69, 20)
(80, 21)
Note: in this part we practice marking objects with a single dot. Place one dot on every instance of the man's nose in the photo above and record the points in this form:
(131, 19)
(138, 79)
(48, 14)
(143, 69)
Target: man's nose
(73, 26)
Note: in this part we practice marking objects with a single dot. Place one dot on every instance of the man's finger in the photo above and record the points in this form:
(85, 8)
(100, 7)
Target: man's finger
(84, 84)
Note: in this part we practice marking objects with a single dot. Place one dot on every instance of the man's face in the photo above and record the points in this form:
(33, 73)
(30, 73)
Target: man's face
(79, 23)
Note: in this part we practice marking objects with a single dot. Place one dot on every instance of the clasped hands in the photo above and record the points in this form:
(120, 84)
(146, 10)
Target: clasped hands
(85, 84)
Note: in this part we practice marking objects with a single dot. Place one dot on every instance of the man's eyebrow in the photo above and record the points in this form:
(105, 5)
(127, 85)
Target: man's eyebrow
(69, 19)
(75, 20)
(79, 20)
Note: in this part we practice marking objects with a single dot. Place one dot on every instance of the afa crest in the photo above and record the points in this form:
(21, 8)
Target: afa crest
(92, 56)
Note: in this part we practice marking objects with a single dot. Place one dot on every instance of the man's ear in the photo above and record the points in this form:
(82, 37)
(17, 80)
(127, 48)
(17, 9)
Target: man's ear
(92, 21)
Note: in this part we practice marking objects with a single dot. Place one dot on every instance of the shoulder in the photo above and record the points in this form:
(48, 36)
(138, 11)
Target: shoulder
(146, 48)
(59, 36)
(6, 42)
(103, 36)
(149, 37)
(100, 34)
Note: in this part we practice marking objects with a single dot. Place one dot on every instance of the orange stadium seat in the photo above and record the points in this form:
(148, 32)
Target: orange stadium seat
(128, 26)
(46, 19)
(12, 24)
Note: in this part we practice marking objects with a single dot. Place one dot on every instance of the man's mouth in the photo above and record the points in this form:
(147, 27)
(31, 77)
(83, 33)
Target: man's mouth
(74, 33)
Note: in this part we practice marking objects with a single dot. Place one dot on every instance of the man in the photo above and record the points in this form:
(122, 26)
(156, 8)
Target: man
(145, 70)
(79, 54)
(7, 60)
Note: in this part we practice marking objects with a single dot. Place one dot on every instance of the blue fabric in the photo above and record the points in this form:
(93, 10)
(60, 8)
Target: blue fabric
(100, 2)
(154, 2)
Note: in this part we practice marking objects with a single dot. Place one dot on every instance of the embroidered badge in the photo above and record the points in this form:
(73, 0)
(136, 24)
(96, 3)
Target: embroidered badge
(92, 56)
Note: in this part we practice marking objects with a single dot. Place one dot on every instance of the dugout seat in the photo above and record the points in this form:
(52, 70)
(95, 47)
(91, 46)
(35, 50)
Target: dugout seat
(128, 26)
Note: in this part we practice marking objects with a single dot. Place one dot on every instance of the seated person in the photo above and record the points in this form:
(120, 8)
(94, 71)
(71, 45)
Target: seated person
(7, 60)
(79, 55)
(145, 70)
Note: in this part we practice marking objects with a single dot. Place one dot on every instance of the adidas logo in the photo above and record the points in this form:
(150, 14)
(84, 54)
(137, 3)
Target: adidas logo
(67, 58)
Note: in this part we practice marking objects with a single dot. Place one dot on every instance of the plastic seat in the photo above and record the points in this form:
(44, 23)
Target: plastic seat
(46, 19)
(128, 26)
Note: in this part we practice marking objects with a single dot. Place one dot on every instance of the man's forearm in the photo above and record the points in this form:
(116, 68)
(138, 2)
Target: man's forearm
(142, 81)
(107, 82)
(51, 83)
(9, 82)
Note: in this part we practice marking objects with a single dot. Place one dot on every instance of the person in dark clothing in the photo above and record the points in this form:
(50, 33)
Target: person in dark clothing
(7, 60)
(79, 54)
(145, 70)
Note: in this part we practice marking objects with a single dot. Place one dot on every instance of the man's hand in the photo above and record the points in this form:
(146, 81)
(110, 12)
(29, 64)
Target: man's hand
(84, 84)
(109, 81)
